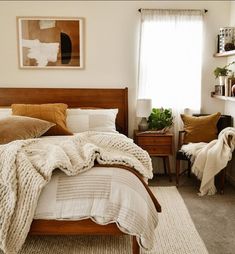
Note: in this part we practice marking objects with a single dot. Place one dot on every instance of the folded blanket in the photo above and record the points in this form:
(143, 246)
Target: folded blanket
(208, 159)
(27, 165)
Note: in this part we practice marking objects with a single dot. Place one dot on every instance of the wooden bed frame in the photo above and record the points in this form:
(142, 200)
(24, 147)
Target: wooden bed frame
(74, 97)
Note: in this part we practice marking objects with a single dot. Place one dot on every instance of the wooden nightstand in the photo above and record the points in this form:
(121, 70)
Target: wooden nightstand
(158, 145)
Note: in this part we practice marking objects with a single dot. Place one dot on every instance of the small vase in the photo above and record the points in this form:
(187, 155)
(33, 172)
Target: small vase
(143, 125)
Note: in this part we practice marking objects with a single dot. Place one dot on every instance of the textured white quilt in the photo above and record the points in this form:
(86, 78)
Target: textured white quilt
(105, 195)
(208, 159)
(26, 167)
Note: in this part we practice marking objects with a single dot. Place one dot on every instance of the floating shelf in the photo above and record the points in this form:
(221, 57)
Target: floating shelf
(224, 98)
(226, 53)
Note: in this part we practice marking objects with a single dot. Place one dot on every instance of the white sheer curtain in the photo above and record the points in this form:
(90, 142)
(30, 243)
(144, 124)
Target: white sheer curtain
(170, 59)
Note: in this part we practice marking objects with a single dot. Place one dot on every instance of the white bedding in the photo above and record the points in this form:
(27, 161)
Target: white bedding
(53, 204)
(105, 195)
(96, 192)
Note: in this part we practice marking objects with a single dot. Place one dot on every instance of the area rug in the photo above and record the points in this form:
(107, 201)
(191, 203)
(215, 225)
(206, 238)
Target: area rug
(176, 234)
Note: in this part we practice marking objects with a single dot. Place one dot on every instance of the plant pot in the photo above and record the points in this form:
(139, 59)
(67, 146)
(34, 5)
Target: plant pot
(222, 80)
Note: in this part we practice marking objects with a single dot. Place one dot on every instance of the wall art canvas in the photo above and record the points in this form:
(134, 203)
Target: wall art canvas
(50, 43)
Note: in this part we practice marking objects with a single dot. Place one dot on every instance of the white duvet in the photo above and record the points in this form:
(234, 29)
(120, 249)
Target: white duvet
(105, 195)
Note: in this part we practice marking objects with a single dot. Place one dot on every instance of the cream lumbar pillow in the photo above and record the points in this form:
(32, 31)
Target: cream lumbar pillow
(52, 112)
(22, 127)
(80, 120)
(200, 128)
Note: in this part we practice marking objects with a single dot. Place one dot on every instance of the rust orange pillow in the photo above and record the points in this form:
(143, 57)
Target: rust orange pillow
(54, 113)
(200, 128)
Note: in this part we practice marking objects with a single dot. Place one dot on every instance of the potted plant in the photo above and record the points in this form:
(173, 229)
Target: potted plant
(160, 119)
(221, 73)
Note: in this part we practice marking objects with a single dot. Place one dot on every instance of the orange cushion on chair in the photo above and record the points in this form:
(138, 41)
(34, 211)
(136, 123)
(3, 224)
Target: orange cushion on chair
(200, 128)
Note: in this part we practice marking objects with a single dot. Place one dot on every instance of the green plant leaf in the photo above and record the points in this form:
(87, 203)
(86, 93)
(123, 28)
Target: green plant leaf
(160, 118)
(223, 71)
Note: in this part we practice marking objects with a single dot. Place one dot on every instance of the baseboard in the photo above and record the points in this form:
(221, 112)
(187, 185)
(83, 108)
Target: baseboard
(230, 179)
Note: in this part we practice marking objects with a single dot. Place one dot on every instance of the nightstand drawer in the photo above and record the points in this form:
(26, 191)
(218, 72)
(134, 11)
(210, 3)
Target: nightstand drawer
(159, 140)
(156, 144)
(163, 149)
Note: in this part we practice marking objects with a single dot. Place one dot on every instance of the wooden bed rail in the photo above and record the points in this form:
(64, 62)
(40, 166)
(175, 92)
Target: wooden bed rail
(81, 227)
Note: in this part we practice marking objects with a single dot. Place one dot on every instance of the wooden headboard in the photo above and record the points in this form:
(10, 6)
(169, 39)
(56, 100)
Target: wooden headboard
(73, 97)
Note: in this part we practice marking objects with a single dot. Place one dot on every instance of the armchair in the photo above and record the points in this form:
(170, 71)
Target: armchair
(223, 122)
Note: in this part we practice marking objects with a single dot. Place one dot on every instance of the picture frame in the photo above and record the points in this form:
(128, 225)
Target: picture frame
(51, 42)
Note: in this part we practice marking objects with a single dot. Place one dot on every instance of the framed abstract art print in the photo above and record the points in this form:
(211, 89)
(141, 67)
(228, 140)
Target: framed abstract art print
(50, 43)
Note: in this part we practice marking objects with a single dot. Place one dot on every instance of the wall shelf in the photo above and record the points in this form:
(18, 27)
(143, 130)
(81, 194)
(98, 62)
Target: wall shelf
(224, 98)
(226, 53)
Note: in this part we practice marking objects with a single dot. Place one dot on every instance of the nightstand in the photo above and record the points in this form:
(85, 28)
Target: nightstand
(157, 145)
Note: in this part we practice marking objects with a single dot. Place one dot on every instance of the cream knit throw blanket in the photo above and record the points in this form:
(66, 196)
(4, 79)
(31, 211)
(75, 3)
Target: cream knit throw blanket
(208, 159)
(26, 167)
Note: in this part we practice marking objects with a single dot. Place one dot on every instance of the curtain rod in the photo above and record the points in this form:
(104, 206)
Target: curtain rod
(205, 10)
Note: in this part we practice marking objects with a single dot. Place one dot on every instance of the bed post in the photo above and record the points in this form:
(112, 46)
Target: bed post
(135, 246)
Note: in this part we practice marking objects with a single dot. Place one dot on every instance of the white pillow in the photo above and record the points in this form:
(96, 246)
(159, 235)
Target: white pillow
(5, 112)
(80, 120)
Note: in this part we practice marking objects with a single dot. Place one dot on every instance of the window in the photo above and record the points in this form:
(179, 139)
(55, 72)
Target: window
(170, 59)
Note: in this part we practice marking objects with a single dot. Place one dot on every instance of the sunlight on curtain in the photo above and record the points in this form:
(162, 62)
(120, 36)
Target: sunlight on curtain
(170, 59)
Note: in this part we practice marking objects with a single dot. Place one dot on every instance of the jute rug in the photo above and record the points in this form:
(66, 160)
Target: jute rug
(176, 234)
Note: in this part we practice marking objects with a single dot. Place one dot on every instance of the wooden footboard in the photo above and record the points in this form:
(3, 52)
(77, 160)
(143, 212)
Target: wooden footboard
(81, 227)
(135, 246)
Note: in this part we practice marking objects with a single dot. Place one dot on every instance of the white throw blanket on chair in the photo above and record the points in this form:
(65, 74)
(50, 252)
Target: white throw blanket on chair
(208, 159)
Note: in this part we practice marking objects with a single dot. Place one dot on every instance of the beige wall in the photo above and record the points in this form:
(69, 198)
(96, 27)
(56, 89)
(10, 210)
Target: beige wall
(230, 106)
(111, 45)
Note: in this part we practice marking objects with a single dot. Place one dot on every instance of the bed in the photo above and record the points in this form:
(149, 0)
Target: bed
(73, 97)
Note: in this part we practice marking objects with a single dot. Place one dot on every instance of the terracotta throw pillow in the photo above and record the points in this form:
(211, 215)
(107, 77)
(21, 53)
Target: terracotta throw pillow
(22, 127)
(200, 128)
(54, 113)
